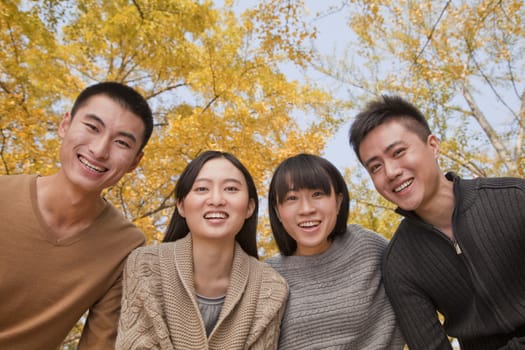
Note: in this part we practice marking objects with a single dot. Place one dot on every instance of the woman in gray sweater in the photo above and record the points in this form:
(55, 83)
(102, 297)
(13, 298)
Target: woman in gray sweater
(337, 299)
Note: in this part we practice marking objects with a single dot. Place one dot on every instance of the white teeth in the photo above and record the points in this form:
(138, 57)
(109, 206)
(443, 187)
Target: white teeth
(91, 166)
(308, 224)
(403, 185)
(215, 216)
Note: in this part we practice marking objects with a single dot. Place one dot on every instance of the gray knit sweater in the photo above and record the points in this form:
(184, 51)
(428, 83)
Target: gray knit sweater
(337, 299)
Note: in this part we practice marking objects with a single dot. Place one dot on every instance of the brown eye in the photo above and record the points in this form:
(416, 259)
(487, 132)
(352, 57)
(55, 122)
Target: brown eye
(399, 152)
(374, 168)
(91, 126)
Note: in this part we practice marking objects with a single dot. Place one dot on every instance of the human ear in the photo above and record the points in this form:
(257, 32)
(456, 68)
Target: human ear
(64, 125)
(180, 208)
(433, 142)
(136, 161)
(251, 208)
(276, 209)
(339, 200)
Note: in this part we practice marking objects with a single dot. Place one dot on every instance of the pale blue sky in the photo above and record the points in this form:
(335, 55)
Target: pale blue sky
(333, 37)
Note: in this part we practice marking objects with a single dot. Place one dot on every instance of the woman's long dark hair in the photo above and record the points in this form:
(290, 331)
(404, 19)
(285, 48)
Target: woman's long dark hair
(178, 228)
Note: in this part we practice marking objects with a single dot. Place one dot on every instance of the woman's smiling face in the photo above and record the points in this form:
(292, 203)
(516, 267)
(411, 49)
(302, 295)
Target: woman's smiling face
(309, 216)
(218, 203)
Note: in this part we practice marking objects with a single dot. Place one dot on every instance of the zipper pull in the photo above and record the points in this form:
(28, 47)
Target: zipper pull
(457, 247)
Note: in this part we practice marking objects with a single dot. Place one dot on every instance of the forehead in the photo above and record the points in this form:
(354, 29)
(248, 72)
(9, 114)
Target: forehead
(220, 169)
(112, 114)
(383, 135)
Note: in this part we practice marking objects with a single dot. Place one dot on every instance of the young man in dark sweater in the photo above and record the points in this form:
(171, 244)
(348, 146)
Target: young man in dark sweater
(459, 251)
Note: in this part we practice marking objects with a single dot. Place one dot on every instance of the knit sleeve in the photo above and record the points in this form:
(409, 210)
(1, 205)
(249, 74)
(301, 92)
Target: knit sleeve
(100, 329)
(272, 303)
(379, 327)
(415, 312)
(516, 343)
(382, 329)
(142, 325)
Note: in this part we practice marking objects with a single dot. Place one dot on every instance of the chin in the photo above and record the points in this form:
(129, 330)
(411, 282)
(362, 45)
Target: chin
(408, 207)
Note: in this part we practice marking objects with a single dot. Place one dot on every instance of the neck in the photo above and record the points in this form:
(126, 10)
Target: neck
(212, 265)
(65, 210)
(438, 210)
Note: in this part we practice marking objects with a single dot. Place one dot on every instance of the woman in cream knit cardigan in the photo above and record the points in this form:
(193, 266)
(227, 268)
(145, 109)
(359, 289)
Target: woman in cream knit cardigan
(204, 287)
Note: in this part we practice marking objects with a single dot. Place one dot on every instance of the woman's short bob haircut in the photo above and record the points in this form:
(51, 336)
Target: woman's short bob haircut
(178, 228)
(305, 171)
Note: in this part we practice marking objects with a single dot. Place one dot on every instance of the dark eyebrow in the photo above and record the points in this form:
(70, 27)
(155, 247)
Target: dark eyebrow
(125, 134)
(223, 181)
(386, 150)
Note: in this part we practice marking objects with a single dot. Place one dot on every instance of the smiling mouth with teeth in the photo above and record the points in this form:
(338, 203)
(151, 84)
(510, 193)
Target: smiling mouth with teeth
(215, 216)
(309, 224)
(403, 185)
(91, 166)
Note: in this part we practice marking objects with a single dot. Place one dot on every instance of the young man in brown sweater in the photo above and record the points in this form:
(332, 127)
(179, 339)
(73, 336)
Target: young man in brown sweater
(62, 245)
(460, 248)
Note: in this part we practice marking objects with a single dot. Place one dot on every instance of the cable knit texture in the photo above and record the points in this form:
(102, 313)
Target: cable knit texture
(160, 310)
(481, 292)
(337, 299)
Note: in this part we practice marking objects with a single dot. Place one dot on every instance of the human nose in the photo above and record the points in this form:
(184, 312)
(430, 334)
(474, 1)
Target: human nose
(100, 148)
(216, 197)
(306, 206)
(392, 169)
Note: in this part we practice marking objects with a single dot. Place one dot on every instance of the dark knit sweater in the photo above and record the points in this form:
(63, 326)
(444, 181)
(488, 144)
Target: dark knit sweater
(481, 291)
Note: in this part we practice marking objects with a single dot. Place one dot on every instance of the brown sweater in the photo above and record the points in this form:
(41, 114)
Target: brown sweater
(160, 311)
(46, 286)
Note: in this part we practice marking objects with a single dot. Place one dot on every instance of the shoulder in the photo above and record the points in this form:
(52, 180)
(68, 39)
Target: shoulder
(144, 260)
(270, 277)
(14, 181)
(359, 239)
(150, 252)
(17, 190)
(270, 294)
(113, 221)
(287, 266)
(491, 183)
(271, 287)
(275, 260)
(489, 193)
(365, 236)
(400, 239)
(363, 255)
(273, 290)
(407, 245)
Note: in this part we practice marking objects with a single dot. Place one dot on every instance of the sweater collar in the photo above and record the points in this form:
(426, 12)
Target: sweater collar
(177, 265)
(464, 195)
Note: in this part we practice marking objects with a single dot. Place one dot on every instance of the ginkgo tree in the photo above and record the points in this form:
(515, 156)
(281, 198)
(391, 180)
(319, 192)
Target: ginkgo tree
(461, 62)
(213, 77)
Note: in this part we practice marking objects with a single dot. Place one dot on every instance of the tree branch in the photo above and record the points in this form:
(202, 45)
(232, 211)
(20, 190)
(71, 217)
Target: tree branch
(473, 168)
(489, 131)
(141, 14)
(429, 37)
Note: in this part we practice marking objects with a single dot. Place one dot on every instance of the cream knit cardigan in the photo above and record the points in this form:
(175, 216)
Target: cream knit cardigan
(160, 311)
